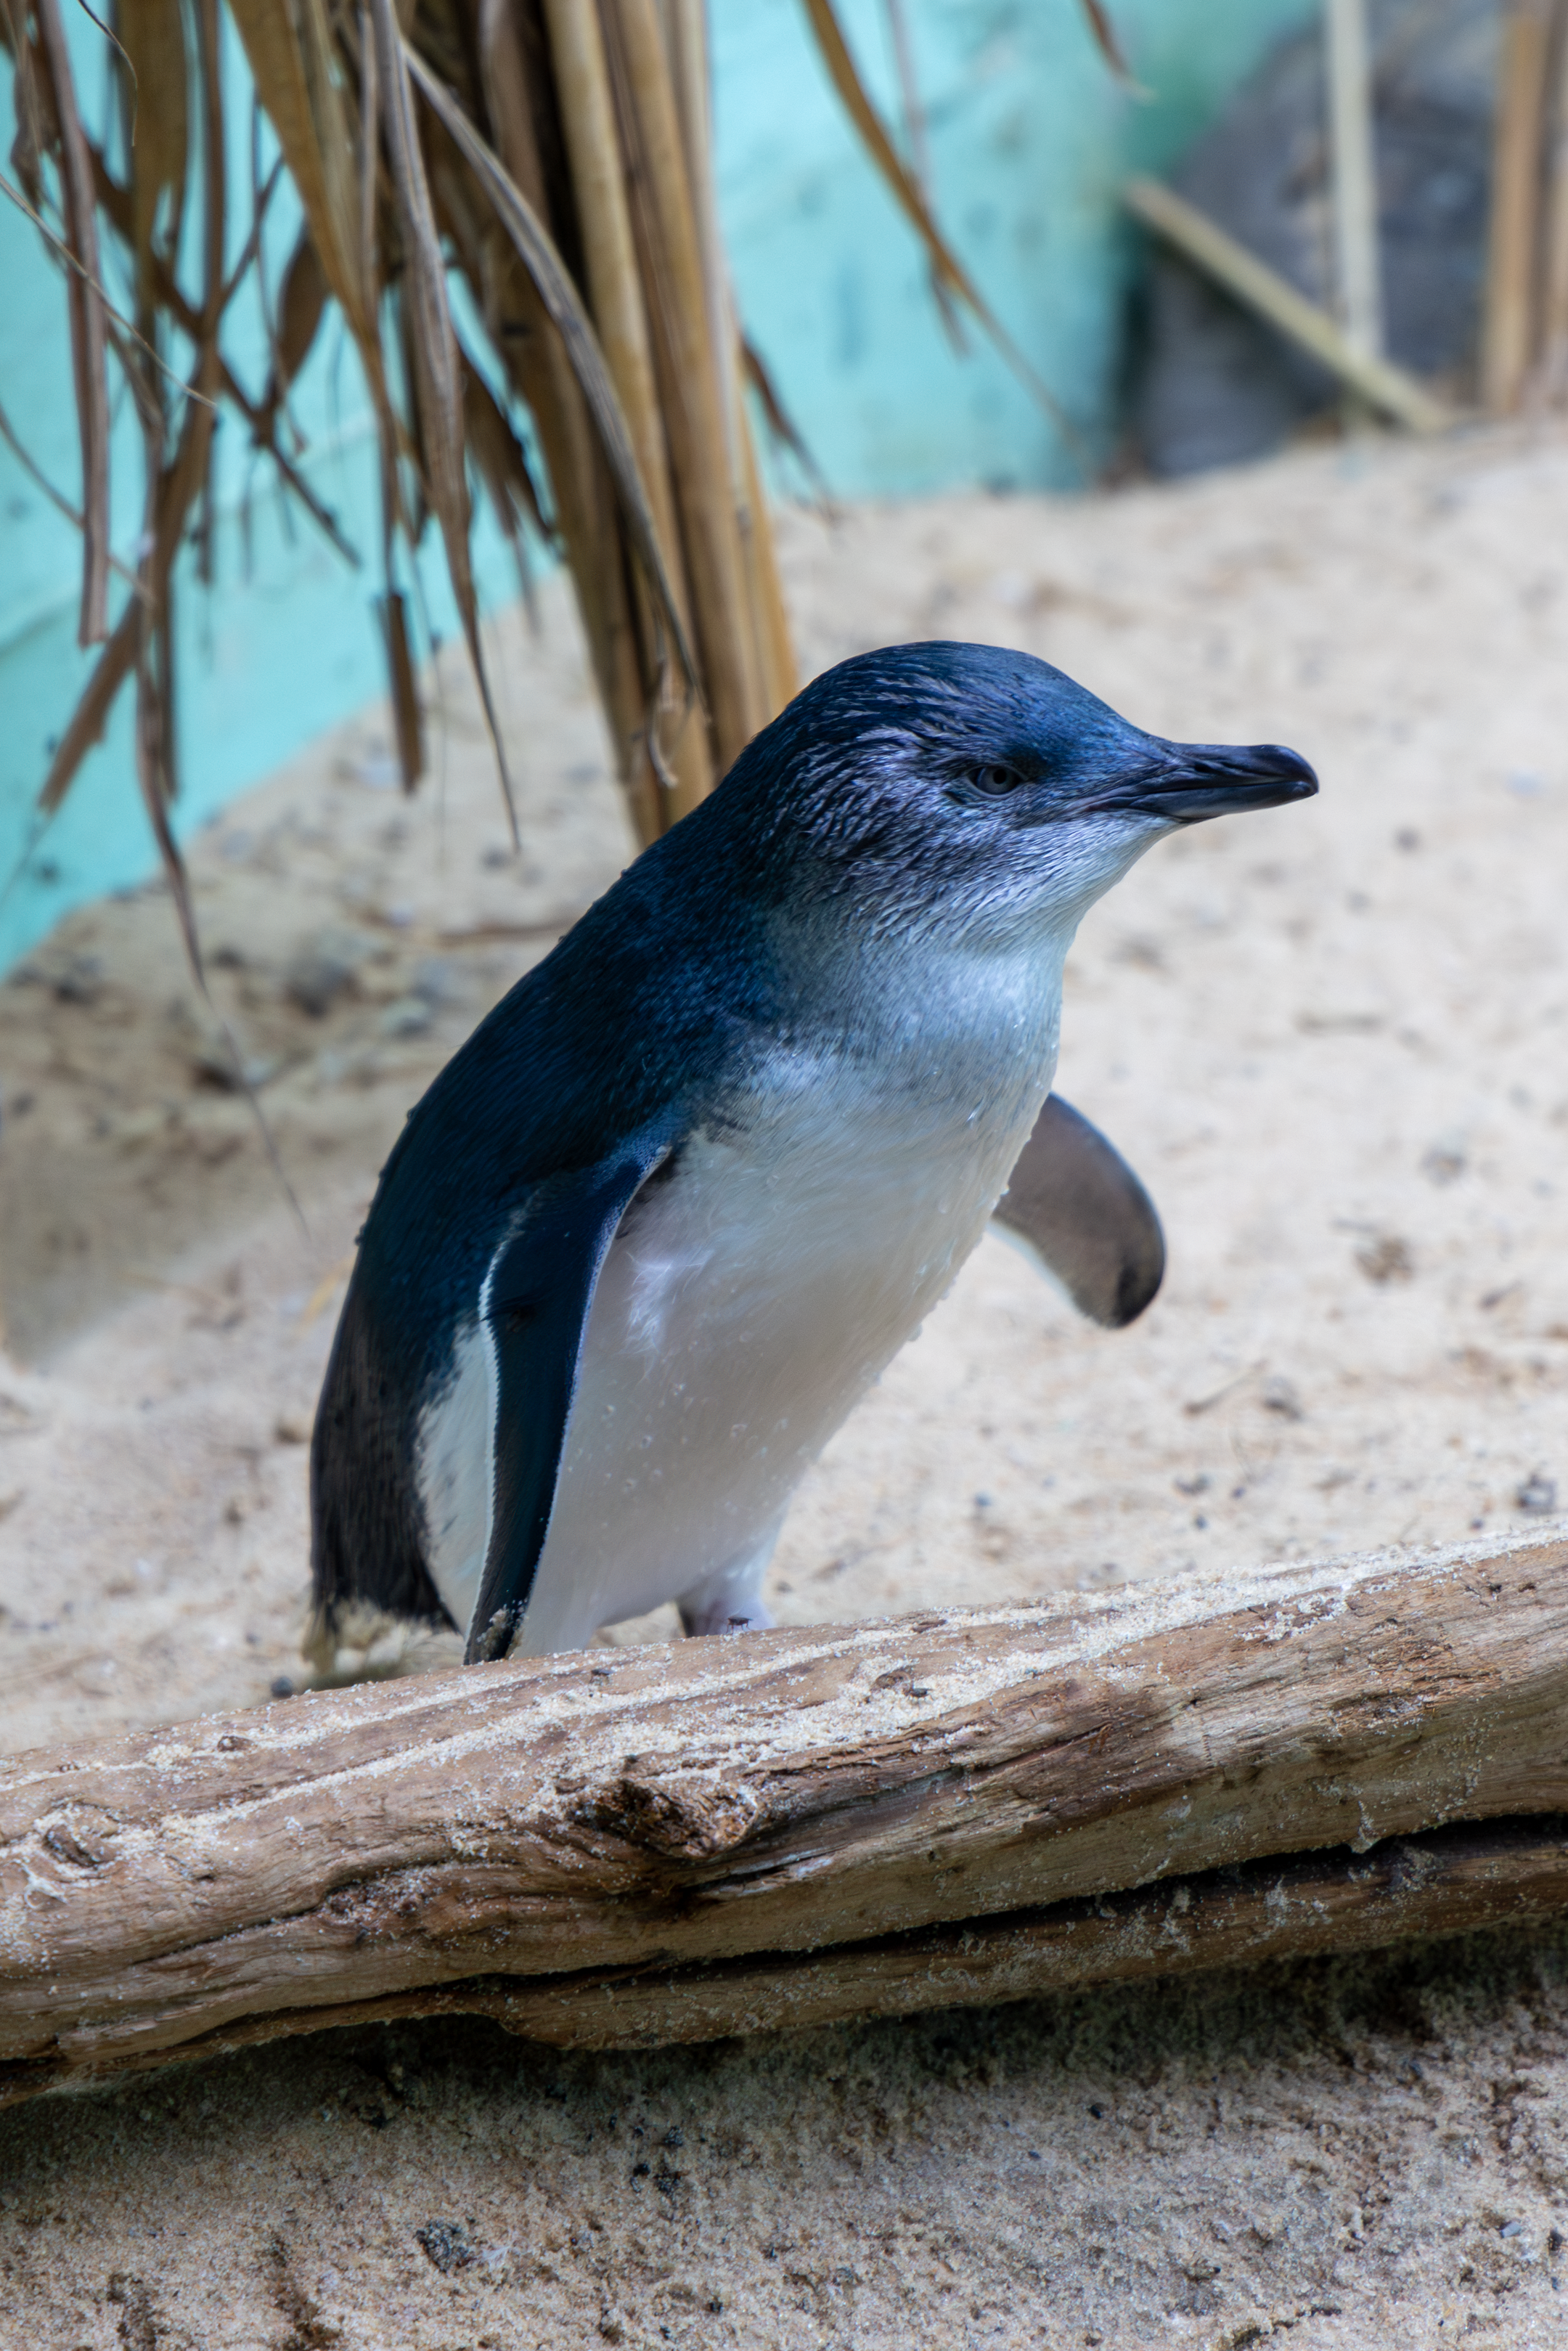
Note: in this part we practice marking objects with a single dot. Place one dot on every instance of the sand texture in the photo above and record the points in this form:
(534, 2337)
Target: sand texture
(1332, 1040)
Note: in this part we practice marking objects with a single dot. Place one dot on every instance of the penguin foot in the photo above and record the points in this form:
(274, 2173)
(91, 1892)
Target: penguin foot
(729, 1599)
(723, 1614)
(362, 1642)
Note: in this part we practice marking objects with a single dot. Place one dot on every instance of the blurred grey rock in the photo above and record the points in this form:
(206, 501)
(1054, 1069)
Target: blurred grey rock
(1281, 1395)
(324, 970)
(405, 1015)
(1214, 384)
(439, 981)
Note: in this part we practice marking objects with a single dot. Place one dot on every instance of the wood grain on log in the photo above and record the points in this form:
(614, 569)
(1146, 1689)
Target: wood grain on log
(667, 1842)
(1443, 1882)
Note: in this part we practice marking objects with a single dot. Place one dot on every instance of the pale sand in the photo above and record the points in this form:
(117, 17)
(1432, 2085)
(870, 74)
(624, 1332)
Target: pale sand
(1332, 1040)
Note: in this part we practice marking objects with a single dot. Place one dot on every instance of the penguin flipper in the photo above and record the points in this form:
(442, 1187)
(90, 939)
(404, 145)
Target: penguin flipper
(1074, 1203)
(536, 1304)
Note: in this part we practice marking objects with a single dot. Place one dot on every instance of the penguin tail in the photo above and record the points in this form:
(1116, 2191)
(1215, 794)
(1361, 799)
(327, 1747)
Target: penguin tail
(356, 1642)
(368, 1564)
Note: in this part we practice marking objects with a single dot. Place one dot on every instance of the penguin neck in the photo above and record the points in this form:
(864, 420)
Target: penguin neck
(971, 1013)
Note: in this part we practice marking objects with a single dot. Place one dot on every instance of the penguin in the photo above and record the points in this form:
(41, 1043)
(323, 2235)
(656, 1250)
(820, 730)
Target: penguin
(677, 1203)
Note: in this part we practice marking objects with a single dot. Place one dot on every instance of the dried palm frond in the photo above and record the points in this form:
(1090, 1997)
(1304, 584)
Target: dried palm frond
(88, 336)
(555, 154)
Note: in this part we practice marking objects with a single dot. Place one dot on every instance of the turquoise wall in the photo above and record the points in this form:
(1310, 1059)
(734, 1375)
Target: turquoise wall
(1029, 139)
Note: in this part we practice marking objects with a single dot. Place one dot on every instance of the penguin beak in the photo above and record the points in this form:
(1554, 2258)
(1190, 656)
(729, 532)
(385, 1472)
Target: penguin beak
(1190, 781)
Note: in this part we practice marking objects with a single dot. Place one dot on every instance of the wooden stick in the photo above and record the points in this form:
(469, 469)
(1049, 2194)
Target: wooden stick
(779, 1800)
(588, 117)
(1554, 274)
(1351, 144)
(1508, 327)
(675, 300)
(1386, 387)
(583, 494)
(85, 305)
(772, 652)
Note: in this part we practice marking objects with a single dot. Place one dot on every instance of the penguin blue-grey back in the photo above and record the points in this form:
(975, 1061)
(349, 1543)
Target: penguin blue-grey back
(684, 1192)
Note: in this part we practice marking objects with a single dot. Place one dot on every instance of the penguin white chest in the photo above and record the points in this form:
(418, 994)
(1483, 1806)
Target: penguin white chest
(742, 1311)
(755, 1292)
(756, 1288)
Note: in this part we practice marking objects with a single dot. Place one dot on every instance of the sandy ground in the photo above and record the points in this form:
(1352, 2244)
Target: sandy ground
(1332, 1040)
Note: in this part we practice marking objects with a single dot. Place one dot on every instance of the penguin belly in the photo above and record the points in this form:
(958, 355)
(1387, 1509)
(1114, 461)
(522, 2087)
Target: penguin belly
(755, 1289)
(746, 1305)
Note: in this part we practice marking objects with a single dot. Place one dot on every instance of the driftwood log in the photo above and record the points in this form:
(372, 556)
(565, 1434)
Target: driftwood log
(621, 1847)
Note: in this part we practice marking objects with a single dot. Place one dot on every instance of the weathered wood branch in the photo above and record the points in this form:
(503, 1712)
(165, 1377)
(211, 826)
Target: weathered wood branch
(1378, 381)
(670, 1843)
(1442, 1882)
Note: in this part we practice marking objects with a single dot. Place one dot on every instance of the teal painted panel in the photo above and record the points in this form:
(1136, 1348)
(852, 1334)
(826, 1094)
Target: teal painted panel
(1029, 139)
(263, 662)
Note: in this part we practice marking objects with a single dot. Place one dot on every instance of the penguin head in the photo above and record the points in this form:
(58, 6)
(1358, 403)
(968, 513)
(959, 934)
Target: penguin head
(968, 786)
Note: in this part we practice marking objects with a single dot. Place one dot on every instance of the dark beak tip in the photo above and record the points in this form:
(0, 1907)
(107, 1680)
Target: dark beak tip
(1194, 781)
(1276, 759)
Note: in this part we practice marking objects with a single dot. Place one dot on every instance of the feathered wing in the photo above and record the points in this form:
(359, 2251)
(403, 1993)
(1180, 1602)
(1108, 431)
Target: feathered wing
(1075, 1203)
(372, 1548)
(535, 1304)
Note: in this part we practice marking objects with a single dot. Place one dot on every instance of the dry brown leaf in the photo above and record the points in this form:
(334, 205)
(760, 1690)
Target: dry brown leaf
(537, 251)
(781, 423)
(88, 720)
(300, 306)
(288, 93)
(695, 431)
(515, 80)
(334, 122)
(156, 106)
(919, 150)
(438, 384)
(408, 719)
(88, 360)
(35, 120)
(1106, 40)
(498, 453)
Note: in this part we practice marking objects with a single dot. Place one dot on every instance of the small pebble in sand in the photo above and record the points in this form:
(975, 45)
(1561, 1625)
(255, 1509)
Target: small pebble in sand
(1444, 1163)
(406, 1015)
(446, 2245)
(377, 770)
(1538, 1493)
(1385, 1257)
(1280, 1395)
(316, 979)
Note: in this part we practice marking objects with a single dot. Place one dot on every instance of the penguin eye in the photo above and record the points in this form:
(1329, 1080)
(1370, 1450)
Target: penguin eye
(993, 780)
